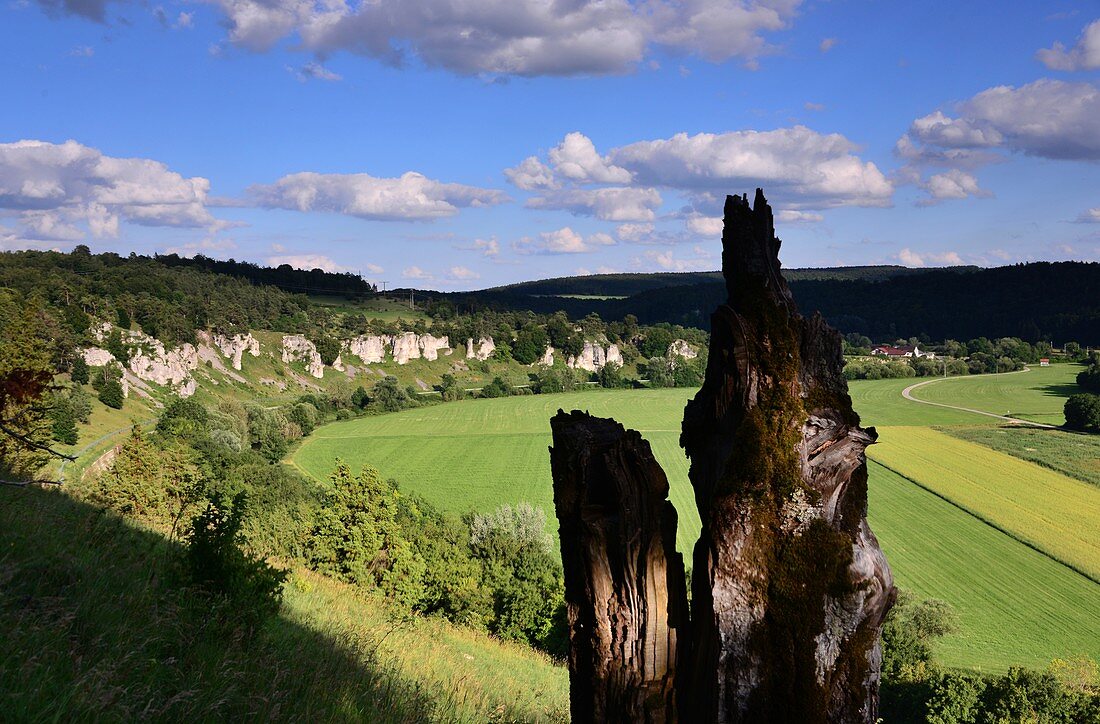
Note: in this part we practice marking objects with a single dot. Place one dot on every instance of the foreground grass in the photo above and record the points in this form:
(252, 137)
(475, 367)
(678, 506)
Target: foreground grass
(1074, 454)
(1015, 605)
(92, 628)
(1052, 512)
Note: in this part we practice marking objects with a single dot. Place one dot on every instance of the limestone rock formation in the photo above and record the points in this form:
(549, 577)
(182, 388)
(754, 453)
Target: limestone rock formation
(369, 348)
(482, 351)
(594, 356)
(406, 346)
(624, 579)
(234, 347)
(789, 585)
(430, 346)
(547, 359)
(680, 348)
(296, 347)
(151, 362)
(97, 357)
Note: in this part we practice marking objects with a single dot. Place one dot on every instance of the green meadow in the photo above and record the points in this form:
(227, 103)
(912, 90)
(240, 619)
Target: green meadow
(1017, 603)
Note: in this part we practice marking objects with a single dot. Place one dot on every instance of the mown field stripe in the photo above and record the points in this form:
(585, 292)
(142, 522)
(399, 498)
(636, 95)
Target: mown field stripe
(992, 524)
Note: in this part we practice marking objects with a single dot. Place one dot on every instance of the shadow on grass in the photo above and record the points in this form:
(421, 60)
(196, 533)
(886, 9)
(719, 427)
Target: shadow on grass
(1062, 390)
(91, 628)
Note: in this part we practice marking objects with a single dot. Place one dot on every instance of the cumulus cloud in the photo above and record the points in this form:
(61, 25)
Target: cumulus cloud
(576, 159)
(59, 190)
(462, 274)
(827, 44)
(511, 37)
(415, 272)
(705, 225)
(532, 174)
(634, 232)
(1047, 118)
(609, 204)
(563, 241)
(410, 197)
(668, 261)
(908, 257)
(1085, 55)
(315, 71)
(952, 184)
(307, 262)
(800, 166)
(94, 10)
(1092, 216)
(486, 247)
(793, 216)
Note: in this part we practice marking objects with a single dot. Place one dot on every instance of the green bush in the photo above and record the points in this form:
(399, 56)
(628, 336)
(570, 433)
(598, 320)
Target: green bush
(111, 394)
(217, 564)
(1082, 412)
(79, 371)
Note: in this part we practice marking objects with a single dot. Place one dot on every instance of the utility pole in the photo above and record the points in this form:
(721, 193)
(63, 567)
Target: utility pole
(384, 287)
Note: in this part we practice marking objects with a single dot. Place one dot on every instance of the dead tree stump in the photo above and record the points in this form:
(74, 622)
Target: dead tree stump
(789, 586)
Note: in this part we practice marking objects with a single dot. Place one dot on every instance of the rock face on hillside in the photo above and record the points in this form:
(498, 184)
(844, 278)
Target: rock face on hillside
(789, 585)
(430, 346)
(680, 348)
(547, 359)
(298, 348)
(369, 347)
(483, 350)
(97, 357)
(234, 347)
(595, 356)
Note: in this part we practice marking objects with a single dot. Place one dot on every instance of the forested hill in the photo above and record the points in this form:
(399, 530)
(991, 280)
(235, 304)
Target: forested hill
(1053, 300)
(284, 276)
(625, 285)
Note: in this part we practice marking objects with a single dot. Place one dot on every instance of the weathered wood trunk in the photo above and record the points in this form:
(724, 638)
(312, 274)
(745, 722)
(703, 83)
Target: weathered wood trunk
(789, 585)
(624, 580)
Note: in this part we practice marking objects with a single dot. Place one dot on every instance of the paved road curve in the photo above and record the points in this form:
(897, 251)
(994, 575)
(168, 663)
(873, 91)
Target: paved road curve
(906, 393)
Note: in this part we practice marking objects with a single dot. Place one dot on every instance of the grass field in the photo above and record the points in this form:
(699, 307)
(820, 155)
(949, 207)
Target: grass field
(1017, 605)
(1050, 511)
(1037, 395)
(1074, 454)
(93, 628)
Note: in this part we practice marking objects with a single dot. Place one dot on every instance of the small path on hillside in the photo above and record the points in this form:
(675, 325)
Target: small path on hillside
(97, 441)
(906, 393)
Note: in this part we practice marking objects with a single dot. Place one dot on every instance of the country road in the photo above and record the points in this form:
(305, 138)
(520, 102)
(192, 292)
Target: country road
(906, 393)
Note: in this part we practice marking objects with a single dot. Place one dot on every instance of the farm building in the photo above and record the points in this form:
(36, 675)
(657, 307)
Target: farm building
(886, 350)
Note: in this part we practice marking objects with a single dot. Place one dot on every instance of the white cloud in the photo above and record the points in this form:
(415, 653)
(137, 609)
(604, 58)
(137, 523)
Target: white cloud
(315, 71)
(307, 262)
(462, 274)
(667, 261)
(532, 174)
(185, 20)
(909, 257)
(513, 37)
(82, 51)
(1047, 118)
(1085, 55)
(952, 184)
(410, 197)
(816, 107)
(634, 232)
(705, 225)
(374, 269)
(1092, 216)
(56, 187)
(576, 159)
(827, 44)
(487, 247)
(563, 241)
(415, 272)
(609, 204)
(793, 216)
(797, 165)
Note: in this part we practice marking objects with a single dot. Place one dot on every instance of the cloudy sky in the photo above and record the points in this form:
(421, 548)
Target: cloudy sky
(467, 143)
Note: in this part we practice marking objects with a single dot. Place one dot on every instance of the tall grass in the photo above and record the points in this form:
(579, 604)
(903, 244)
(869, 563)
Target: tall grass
(93, 627)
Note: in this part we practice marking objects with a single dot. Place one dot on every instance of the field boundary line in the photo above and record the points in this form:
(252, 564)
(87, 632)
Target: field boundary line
(906, 393)
(988, 522)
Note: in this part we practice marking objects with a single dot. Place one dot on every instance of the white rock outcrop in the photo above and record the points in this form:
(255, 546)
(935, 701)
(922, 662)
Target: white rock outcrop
(406, 346)
(151, 362)
(369, 347)
(431, 346)
(298, 348)
(234, 347)
(97, 357)
(680, 348)
(547, 359)
(482, 351)
(594, 357)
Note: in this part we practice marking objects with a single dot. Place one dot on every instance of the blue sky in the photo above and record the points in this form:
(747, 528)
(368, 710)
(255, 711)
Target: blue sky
(467, 143)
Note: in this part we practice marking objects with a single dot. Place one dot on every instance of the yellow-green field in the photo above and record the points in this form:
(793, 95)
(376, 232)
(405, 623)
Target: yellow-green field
(1017, 603)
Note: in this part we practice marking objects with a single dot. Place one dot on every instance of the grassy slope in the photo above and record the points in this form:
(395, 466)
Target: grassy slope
(1074, 454)
(1037, 395)
(1057, 514)
(480, 453)
(91, 628)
